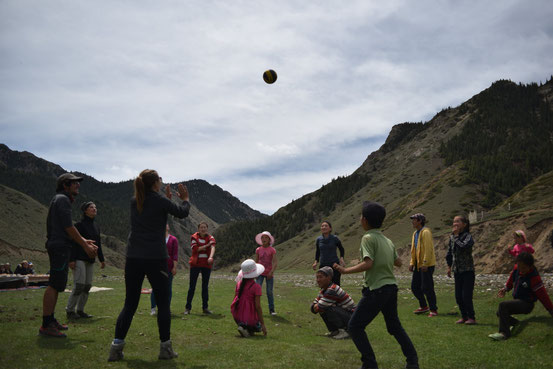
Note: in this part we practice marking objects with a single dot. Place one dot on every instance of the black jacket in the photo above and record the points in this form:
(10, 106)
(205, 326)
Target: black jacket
(90, 231)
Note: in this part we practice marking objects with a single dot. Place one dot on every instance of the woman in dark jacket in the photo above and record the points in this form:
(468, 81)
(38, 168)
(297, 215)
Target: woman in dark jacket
(82, 264)
(326, 247)
(147, 256)
(459, 260)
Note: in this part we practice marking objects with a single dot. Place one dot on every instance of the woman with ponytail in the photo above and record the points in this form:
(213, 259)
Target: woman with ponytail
(147, 256)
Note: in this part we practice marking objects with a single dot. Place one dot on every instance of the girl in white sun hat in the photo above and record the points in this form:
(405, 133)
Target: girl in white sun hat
(265, 254)
(246, 306)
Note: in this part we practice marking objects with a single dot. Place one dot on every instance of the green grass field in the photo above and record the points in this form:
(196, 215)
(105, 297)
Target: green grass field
(295, 336)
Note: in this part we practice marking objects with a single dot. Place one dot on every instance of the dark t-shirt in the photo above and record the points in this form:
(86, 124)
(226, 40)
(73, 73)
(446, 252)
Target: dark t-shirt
(326, 250)
(59, 218)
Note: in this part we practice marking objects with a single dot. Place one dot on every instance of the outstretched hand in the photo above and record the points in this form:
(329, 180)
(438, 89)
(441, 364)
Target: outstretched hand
(182, 191)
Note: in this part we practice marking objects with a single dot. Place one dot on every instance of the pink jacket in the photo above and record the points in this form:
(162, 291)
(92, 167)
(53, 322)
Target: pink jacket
(517, 249)
(173, 251)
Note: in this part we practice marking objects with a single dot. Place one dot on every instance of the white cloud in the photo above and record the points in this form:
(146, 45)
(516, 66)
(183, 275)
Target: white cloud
(110, 88)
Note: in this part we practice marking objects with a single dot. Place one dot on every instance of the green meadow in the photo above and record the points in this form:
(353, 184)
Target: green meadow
(295, 336)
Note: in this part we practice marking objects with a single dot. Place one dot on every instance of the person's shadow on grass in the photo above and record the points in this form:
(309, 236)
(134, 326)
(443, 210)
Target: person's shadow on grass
(55, 343)
(279, 319)
(154, 363)
(524, 323)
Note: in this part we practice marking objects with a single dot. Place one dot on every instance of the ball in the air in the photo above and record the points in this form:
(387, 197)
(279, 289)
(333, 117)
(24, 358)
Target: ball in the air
(270, 76)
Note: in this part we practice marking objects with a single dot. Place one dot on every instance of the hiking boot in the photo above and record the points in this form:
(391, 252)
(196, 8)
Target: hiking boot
(342, 334)
(71, 315)
(187, 312)
(153, 311)
(82, 314)
(243, 331)
(421, 310)
(208, 312)
(432, 313)
(51, 331)
(497, 336)
(470, 321)
(116, 351)
(166, 351)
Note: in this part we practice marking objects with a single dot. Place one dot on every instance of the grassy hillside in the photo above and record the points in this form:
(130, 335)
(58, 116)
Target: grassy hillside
(410, 174)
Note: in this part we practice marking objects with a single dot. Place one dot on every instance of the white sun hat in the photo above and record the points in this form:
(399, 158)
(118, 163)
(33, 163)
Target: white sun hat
(264, 233)
(249, 269)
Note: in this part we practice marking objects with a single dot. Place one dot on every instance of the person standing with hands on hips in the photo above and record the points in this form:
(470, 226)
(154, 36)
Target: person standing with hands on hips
(201, 262)
(378, 257)
(147, 256)
(266, 256)
(422, 264)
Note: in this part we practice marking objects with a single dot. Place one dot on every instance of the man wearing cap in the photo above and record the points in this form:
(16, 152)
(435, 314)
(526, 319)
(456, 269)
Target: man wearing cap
(422, 264)
(60, 232)
(333, 304)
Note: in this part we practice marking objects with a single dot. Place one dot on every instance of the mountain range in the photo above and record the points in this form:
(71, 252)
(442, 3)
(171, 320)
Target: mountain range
(490, 157)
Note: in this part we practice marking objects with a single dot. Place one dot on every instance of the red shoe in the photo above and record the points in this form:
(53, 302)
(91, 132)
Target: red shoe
(461, 321)
(421, 310)
(432, 313)
(470, 322)
(51, 331)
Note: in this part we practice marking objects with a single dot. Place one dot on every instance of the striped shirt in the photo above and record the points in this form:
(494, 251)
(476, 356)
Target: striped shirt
(334, 295)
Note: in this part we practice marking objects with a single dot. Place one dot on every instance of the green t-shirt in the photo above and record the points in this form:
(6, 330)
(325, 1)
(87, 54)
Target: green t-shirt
(382, 252)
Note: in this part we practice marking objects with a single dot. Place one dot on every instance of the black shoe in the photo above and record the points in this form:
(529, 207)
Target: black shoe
(72, 315)
(208, 312)
(82, 314)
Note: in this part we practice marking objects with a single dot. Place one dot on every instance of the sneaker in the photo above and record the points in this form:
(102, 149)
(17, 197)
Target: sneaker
(432, 313)
(61, 327)
(116, 351)
(470, 322)
(187, 312)
(497, 336)
(51, 331)
(84, 315)
(342, 334)
(273, 313)
(207, 312)
(166, 351)
(71, 315)
(243, 331)
(421, 310)
(153, 311)
(461, 321)
(331, 334)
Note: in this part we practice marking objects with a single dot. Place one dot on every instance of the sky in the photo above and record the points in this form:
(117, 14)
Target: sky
(109, 88)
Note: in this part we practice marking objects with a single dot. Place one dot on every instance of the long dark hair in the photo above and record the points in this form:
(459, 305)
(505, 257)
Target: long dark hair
(242, 285)
(144, 182)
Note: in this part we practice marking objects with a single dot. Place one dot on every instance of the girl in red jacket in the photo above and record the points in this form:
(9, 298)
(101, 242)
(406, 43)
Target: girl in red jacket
(201, 262)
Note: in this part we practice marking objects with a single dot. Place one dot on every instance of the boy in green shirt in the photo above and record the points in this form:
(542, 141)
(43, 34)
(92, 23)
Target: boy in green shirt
(378, 257)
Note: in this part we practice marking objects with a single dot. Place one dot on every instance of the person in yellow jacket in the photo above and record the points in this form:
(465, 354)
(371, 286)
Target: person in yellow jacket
(423, 262)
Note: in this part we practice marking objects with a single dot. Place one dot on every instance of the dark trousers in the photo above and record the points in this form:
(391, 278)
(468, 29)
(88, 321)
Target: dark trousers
(383, 299)
(464, 288)
(158, 275)
(506, 308)
(153, 303)
(422, 285)
(335, 318)
(194, 273)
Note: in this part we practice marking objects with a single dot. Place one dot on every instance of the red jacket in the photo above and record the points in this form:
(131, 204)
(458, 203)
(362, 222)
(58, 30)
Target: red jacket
(199, 258)
(528, 286)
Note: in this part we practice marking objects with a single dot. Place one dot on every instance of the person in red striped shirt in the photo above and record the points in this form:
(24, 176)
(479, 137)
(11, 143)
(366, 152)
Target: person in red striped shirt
(333, 304)
(527, 288)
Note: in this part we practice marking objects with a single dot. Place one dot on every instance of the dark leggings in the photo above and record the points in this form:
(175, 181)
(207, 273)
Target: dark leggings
(464, 288)
(158, 275)
(194, 274)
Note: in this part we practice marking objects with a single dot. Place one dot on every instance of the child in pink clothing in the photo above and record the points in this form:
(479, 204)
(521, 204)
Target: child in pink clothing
(520, 244)
(246, 306)
(265, 254)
